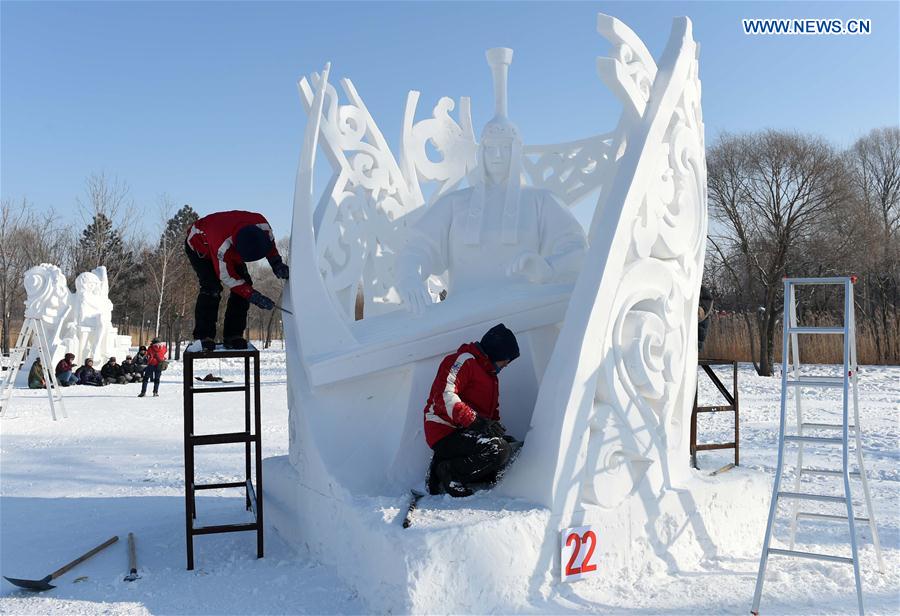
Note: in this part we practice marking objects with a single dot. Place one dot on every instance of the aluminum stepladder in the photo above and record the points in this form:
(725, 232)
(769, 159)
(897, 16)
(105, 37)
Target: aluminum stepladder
(791, 378)
(31, 334)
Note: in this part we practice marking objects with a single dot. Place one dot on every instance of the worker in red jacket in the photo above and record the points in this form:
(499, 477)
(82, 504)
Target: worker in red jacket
(156, 359)
(462, 416)
(219, 247)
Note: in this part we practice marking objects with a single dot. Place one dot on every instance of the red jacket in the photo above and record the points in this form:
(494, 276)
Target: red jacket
(212, 237)
(63, 366)
(156, 353)
(466, 386)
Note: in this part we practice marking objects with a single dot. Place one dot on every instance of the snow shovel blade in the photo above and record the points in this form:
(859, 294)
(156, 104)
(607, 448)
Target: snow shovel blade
(44, 584)
(35, 585)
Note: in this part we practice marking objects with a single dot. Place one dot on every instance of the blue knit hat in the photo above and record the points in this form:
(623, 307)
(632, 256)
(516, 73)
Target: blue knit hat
(252, 243)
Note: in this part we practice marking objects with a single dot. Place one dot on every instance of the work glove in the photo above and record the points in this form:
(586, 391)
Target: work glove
(261, 300)
(281, 270)
(488, 427)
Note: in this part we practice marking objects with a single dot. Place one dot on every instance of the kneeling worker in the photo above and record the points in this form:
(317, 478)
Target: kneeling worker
(219, 247)
(462, 415)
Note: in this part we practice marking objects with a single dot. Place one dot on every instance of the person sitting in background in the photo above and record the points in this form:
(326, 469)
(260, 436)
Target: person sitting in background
(112, 372)
(36, 375)
(156, 355)
(87, 375)
(64, 374)
(131, 371)
(703, 312)
(140, 360)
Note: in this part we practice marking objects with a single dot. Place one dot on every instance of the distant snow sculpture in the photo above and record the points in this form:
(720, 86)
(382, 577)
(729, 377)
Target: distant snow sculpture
(606, 323)
(78, 323)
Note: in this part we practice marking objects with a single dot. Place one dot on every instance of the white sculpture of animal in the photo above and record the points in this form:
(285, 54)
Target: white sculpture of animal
(607, 327)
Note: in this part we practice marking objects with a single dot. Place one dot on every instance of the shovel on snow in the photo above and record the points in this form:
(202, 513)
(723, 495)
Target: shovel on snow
(44, 584)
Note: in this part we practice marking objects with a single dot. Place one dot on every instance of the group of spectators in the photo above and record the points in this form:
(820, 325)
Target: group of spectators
(147, 365)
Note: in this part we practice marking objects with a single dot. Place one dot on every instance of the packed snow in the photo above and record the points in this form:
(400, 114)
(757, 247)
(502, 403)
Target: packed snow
(116, 466)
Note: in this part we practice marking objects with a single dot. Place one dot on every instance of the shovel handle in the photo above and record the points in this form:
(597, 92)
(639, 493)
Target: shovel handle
(132, 556)
(83, 558)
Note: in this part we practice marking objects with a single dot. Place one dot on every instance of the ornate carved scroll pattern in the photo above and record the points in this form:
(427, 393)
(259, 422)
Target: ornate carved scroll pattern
(629, 70)
(361, 220)
(454, 143)
(572, 170)
(638, 416)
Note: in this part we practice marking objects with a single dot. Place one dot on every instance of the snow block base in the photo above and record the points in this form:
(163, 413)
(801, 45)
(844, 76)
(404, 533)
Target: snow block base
(491, 554)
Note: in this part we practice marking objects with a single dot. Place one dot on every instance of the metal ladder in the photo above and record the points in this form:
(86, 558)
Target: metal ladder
(791, 378)
(32, 333)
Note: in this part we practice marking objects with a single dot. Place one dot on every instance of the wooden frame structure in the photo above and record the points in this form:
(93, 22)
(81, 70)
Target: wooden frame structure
(732, 406)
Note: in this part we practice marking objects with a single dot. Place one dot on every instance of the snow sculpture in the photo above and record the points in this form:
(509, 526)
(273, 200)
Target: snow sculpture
(602, 391)
(92, 312)
(80, 322)
(497, 229)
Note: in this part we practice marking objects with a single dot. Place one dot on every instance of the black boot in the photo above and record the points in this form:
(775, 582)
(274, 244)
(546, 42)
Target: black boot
(454, 488)
(208, 344)
(235, 342)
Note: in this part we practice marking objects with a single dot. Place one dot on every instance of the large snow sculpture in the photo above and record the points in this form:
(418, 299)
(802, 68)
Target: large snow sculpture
(603, 389)
(80, 322)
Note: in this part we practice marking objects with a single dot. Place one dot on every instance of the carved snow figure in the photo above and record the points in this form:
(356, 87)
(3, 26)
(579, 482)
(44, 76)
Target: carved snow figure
(496, 230)
(93, 313)
(79, 323)
(602, 391)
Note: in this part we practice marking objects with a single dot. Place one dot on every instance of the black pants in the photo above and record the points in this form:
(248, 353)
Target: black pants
(206, 311)
(472, 457)
(151, 372)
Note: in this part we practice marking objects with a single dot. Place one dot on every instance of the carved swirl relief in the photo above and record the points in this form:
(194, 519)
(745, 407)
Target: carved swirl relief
(360, 224)
(641, 390)
(573, 170)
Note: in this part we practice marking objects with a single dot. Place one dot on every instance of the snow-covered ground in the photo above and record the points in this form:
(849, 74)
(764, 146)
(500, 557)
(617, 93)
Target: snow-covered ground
(116, 466)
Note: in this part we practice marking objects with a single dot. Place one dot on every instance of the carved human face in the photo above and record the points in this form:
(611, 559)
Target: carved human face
(497, 155)
(87, 284)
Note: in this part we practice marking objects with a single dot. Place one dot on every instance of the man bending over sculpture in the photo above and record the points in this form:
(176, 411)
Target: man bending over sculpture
(462, 416)
(219, 246)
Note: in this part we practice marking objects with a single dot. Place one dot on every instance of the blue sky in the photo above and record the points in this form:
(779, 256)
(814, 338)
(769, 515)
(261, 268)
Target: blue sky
(198, 100)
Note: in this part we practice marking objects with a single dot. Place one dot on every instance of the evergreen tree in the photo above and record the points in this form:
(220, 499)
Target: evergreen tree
(102, 244)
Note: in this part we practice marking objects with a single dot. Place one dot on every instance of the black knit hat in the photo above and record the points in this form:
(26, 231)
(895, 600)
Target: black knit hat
(252, 243)
(500, 344)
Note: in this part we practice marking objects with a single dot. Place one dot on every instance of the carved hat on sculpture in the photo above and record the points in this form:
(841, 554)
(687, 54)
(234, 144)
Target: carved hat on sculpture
(500, 134)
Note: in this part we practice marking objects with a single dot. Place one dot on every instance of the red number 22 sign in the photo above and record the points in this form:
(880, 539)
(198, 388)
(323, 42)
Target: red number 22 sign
(576, 553)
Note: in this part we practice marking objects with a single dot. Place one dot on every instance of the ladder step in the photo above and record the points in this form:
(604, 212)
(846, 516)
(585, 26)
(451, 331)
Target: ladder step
(826, 471)
(824, 426)
(819, 381)
(811, 555)
(827, 516)
(816, 497)
(815, 330)
(796, 438)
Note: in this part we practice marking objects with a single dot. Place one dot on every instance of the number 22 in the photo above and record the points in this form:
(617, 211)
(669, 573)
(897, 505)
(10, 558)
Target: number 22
(579, 541)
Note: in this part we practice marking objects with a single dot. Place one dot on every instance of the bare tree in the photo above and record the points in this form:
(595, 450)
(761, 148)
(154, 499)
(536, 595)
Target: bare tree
(874, 163)
(26, 239)
(160, 257)
(767, 192)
